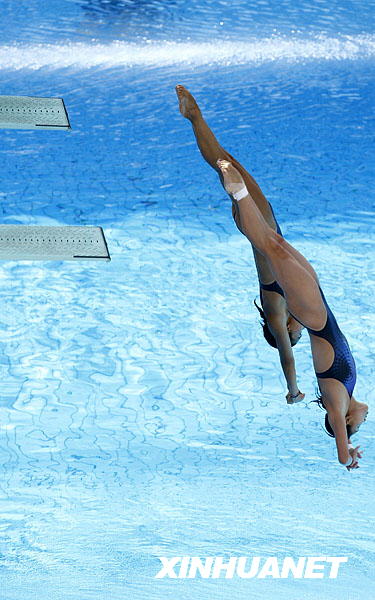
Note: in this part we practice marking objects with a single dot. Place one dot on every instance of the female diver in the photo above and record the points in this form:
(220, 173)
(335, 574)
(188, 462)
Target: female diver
(280, 329)
(305, 302)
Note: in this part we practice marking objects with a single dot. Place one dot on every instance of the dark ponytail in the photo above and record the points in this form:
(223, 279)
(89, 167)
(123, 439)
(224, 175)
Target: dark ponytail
(266, 332)
(327, 425)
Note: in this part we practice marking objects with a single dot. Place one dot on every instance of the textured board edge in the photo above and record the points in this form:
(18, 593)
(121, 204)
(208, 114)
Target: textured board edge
(18, 252)
(24, 125)
(68, 126)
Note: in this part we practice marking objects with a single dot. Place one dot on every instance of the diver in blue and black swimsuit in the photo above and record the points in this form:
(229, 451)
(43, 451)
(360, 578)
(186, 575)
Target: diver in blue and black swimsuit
(290, 294)
(298, 283)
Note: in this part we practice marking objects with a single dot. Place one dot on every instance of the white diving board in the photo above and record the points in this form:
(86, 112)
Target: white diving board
(39, 242)
(28, 112)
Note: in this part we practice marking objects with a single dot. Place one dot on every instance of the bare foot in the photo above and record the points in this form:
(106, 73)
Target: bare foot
(233, 181)
(188, 106)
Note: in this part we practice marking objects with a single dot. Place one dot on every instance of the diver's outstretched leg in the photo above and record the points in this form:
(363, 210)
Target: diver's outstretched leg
(211, 151)
(292, 271)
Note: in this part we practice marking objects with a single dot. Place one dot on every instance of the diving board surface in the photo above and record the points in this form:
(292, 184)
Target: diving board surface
(38, 242)
(28, 112)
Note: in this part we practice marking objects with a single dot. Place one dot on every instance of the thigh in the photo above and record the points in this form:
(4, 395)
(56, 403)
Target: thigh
(303, 261)
(264, 270)
(301, 288)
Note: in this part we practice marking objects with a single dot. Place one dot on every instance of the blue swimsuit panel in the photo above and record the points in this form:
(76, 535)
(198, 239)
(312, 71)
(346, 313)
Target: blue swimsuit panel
(277, 225)
(343, 367)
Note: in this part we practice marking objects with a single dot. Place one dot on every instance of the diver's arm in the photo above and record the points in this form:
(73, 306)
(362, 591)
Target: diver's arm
(344, 454)
(278, 330)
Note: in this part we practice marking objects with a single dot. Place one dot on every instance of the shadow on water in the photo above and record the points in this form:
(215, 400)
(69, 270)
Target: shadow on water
(122, 9)
(123, 6)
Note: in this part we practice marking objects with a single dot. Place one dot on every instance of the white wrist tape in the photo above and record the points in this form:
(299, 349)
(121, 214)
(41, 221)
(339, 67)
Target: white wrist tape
(350, 446)
(241, 194)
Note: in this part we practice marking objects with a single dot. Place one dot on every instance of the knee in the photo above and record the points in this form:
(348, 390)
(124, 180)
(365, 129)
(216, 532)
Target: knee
(276, 244)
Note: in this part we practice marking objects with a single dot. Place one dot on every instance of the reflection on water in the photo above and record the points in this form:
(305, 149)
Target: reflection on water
(121, 54)
(124, 7)
(123, 16)
(196, 20)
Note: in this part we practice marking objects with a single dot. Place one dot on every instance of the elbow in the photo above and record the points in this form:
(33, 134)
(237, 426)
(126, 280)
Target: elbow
(276, 245)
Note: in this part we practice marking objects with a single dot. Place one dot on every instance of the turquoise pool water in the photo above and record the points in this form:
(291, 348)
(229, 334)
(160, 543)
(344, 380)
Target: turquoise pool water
(141, 413)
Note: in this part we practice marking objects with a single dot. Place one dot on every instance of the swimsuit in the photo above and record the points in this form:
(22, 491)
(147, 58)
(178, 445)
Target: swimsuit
(343, 366)
(269, 287)
(277, 225)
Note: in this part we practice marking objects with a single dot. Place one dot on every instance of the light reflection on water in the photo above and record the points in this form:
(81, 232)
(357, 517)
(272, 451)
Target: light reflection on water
(227, 53)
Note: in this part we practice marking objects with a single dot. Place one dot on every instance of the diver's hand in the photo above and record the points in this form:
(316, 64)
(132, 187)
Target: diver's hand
(355, 454)
(294, 399)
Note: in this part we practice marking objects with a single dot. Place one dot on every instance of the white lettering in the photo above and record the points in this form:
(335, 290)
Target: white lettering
(197, 565)
(228, 567)
(310, 572)
(289, 566)
(270, 567)
(168, 565)
(241, 563)
(311, 567)
(184, 567)
(335, 560)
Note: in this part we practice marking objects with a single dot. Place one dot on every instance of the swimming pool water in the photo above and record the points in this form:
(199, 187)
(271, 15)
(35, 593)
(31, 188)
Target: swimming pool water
(141, 413)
